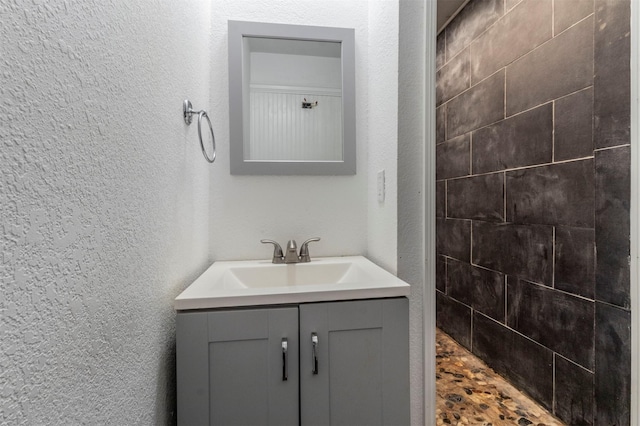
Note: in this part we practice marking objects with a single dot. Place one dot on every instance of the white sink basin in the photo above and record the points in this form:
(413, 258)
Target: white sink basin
(260, 282)
(301, 274)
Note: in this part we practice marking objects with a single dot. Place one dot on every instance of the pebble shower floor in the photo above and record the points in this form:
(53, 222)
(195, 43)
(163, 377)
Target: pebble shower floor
(470, 393)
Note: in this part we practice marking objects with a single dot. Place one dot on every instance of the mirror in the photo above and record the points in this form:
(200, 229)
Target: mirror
(291, 99)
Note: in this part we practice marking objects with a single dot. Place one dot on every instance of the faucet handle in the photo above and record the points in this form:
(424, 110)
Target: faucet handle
(304, 249)
(278, 256)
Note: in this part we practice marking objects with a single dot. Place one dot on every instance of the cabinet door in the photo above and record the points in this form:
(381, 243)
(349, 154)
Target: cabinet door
(362, 356)
(231, 369)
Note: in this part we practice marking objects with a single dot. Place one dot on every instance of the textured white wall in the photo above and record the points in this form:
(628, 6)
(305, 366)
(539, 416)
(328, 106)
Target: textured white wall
(383, 132)
(245, 209)
(104, 204)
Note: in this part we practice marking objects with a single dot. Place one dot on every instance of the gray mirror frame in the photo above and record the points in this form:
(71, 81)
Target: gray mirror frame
(345, 36)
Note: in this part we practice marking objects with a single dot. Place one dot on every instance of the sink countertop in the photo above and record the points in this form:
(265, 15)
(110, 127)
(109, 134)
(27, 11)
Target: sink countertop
(260, 282)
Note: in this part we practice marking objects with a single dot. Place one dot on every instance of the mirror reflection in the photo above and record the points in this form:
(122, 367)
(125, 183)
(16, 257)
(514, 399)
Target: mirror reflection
(291, 99)
(295, 100)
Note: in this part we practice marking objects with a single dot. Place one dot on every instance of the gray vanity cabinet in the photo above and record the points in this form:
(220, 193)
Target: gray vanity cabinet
(362, 356)
(230, 365)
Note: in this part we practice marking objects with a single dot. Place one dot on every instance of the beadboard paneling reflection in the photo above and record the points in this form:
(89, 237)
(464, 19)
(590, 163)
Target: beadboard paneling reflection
(280, 129)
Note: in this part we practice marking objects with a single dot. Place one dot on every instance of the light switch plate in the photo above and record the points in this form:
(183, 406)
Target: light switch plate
(381, 184)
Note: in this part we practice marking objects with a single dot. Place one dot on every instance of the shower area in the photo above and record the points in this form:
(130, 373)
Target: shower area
(532, 198)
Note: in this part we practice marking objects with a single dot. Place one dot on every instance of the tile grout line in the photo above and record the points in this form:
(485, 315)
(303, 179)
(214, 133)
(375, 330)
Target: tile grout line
(445, 112)
(574, 363)
(543, 103)
(446, 277)
(566, 293)
(468, 48)
(553, 259)
(471, 242)
(553, 131)
(484, 268)
(576, 23)
(553, 18)
(504, 195)
(506, 296)
(504, 112)
(533, 166)
(611, 147)
(446, 198)
(471, 154)
(471, 333)
(553, 396)
(611, 305)
(446, 59)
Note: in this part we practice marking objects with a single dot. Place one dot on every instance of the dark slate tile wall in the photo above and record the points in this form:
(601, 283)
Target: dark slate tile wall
(453, 238)
(573, 118)
(525, 251)
(475, 18)
(612, 92)
(509, 4)
(453, 157)
(526, 363)
(441, 194)
(613, 192)
(567, 13)
(454, 78)
(478, 197)
(523, 140)
(574, 392)
(613, 365)
(488, 95)
(482, 289)
(558, 194)
(455, 318)
(557, 68)
(575, 254)
(441, 123)
(545, 315)
(533, 193)
(497, 47)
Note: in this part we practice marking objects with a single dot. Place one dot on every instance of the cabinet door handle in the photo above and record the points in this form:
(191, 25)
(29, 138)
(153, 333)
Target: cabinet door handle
(314, 352)
(285, 359)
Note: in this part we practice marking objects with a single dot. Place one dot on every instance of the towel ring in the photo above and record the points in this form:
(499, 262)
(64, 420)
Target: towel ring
(188, 112)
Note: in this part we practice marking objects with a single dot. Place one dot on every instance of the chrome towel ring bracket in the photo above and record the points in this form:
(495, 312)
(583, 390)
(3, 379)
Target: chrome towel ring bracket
(188, 112)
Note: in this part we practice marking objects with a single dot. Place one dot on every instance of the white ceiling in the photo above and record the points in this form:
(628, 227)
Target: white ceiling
(447, 9)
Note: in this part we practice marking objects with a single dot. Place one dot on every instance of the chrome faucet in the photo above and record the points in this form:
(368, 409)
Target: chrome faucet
(291, 255)
(278, 257)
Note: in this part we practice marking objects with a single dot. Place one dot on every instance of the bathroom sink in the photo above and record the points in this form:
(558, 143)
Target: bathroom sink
(300, 274)
(260, 282)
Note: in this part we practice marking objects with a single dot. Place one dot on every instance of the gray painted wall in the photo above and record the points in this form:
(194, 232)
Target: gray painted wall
(533, 191)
